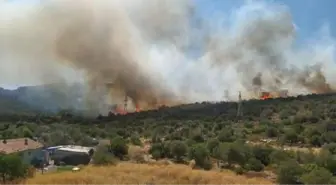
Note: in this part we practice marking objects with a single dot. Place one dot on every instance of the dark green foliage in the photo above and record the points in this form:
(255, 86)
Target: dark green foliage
(221, 152)
(157, 150)
(179, 149)
(239, 153)
(272, 132)
(331, 147)
(317, 175)
(119, 147)
(309, 167)
(291, 137)
(239, 170)
(136, 140)
(316, 140)
(102, 156)
(200, 154)
(279, 156)
(262, 153)
(254, 164)
(305, 157)
(197, 136)
(327, 160)
(289, 172)
(212, 145)
(226, 135)
(12, 168)
(167, 149)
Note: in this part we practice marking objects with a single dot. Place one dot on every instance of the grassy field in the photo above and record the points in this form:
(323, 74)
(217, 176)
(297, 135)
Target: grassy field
(129, 173)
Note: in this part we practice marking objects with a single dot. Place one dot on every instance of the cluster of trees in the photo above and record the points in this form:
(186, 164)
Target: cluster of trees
(12, 169)
(206, 132)
(306, 121)
(291, 167)
(109, 154)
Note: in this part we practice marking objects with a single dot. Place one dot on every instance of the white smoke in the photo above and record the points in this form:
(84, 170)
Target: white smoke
(143, 46)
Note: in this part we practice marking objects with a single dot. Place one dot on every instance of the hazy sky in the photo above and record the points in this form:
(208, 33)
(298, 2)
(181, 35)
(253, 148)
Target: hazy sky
(309, 15)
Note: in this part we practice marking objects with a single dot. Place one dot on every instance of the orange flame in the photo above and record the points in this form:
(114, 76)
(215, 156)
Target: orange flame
(119, 110)
(137, 108)
(265, 95)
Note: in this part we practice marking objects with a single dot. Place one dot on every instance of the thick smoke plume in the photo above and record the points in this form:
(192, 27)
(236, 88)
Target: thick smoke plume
(160, 51)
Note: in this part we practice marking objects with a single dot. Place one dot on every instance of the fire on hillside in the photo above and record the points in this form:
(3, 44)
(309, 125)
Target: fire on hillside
(278, 94)
(121, 110)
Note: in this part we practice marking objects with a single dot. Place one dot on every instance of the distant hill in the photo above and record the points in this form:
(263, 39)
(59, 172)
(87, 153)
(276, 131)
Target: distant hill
(44, 98)
(10, 103)
(53, 98)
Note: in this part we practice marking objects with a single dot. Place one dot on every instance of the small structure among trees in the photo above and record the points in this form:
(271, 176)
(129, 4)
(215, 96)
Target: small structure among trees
(28, 149)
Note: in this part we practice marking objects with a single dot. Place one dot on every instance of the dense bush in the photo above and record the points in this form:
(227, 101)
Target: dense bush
(289, 172)
(179, 149)
(254, 164)
(12, 168)
(119, 147)
(102, 156)
(318, 175)
(200, 154)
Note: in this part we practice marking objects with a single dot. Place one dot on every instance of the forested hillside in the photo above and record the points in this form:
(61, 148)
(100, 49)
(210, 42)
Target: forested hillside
(311, 118)
(293, 137)
(44, 98)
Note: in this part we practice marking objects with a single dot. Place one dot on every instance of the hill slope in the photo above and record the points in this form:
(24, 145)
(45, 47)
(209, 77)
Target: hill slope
(10, 103)
(257, 138)
(44, 98)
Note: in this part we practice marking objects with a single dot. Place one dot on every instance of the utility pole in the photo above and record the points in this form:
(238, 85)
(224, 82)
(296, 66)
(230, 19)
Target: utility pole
(125, 104)
(239, 111)
(226, 95)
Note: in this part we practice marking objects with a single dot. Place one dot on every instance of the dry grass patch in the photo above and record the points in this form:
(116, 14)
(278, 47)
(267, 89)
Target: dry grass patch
(128, 173)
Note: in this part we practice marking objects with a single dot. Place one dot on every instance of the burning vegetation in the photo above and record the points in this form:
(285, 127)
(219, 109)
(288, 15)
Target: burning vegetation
(265, 95)
(277, 94)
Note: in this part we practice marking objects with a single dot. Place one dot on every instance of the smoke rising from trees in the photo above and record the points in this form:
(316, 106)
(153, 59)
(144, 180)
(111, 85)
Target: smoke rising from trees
(146, 49)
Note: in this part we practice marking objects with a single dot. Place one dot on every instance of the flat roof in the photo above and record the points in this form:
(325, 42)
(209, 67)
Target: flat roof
(73, 148)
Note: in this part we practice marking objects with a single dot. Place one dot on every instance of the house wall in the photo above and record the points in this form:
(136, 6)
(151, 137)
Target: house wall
(28, 155)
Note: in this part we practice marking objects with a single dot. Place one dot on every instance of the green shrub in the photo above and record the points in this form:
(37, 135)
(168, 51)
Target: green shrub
(12, 168)
(289, 172)
(254, 164)
(179, 149)
(119, 147)
(103, 157)
(239, 170)
(135, 140)
(317, 176)
(200, 154)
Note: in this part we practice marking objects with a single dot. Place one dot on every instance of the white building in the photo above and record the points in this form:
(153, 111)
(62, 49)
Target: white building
(71, 154)
(62, 151)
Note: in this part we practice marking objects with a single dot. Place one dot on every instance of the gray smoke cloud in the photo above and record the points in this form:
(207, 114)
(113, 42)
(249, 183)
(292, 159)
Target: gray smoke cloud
(141, 48)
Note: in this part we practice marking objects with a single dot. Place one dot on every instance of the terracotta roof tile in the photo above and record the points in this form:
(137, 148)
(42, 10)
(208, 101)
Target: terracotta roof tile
(18, 145)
